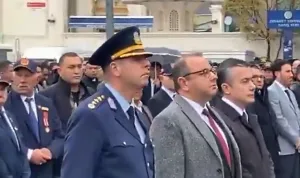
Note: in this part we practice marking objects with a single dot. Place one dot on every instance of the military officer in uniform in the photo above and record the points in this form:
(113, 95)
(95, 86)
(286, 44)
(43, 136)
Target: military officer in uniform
(106, 136)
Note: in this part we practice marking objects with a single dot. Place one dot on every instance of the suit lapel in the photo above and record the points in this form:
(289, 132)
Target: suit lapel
(6, 127)
(14, 126)
(42, 127)
(23, 114)
(143, 120)
(281, 92)
(120, 115)
(201, 126)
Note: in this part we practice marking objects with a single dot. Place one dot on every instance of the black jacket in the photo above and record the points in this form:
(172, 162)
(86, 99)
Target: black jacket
(60, 93)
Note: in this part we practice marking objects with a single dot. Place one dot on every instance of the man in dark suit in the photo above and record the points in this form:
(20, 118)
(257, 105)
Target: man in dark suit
(165, 95)
(37, 119)
(106, 136)
(13, 161)
(265, 115)
(235, 84)
(154, 83)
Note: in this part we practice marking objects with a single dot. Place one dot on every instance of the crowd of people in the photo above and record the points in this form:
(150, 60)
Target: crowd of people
(118, 115)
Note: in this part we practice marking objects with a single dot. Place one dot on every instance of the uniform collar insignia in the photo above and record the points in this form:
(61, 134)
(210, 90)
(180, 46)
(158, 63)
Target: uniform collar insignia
(111, 103)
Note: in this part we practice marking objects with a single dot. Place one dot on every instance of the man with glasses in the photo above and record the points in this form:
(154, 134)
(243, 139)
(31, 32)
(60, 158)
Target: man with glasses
(189, 137)
(265, 114)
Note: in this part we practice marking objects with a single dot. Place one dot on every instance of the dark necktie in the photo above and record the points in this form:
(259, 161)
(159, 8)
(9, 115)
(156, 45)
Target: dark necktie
(130, 113)
(289, 96)
(219, 136)
(33, 120)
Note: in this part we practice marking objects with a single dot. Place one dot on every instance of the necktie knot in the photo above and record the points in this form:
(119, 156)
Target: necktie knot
(205, 112)
(130, 112)
(28, 100)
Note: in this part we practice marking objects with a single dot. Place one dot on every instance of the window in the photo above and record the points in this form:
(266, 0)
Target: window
(161, 21)
(174, 21)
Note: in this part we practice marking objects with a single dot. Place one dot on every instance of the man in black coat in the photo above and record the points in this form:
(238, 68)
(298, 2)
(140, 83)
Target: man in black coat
(266, 116)
(165, 95)
(68, 92)
(90, 76)
(235, 83)
(153, 82)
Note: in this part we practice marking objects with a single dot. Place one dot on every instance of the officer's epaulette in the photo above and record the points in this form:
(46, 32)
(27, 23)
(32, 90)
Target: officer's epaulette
(96, 101)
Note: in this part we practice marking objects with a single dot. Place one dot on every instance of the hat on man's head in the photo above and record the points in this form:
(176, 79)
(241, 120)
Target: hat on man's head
(167, 70)
(124, 44)
(3, 81)
(27, 64)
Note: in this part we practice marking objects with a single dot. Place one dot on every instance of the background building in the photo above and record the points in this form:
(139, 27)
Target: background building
(32, 23)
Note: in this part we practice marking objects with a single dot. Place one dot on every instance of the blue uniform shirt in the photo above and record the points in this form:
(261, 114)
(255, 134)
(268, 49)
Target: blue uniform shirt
(101, 141)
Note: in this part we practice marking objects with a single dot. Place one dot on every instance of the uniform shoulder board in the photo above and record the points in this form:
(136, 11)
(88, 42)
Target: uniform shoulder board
(96, 102)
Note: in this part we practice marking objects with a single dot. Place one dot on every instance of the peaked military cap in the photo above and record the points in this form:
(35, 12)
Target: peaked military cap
(27, 64)
(124, 44)
(3, 81)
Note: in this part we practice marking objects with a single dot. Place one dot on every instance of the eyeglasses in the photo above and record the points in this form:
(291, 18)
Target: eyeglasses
(204, 72)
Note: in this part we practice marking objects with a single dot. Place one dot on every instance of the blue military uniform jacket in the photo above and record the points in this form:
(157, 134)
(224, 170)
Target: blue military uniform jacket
(13, 160)
(51, 137)
(101, 142)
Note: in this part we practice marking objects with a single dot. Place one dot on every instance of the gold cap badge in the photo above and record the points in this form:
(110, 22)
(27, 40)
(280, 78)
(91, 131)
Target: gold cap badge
(24, 61)
(137, 38)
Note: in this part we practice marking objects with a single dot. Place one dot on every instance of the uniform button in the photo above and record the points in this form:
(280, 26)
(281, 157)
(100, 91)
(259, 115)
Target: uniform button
(151, 140)
(148, 164)
(145, 145)
(124, 143)
(219, 171)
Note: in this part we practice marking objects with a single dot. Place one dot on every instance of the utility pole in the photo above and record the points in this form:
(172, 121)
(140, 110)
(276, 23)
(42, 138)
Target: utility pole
(109, 7)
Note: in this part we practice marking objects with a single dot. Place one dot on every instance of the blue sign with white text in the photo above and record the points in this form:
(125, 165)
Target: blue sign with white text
(283, 19)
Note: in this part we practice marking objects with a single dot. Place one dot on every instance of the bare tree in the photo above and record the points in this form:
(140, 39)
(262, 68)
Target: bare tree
(251, 19)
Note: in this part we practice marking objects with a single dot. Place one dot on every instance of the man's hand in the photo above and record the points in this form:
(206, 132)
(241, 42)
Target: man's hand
(37, 157)
(47, 153)
(298, 143)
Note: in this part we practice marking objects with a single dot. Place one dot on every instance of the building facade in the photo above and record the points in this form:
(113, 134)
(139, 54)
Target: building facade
(174, 23)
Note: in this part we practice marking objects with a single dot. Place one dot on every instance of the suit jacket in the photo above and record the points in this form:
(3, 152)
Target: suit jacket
(256, 160)
(287, 118)
(147, 92)
(113, 148)
(13, 160)
(267, 121)
(53, 139)
(159, 102)
(185, 147)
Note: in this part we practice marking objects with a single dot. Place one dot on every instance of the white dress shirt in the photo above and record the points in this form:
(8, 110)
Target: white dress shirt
(33, 104)
(283, 88)
(235, 107)
(199, 109)
(169, 92)
(34, 108)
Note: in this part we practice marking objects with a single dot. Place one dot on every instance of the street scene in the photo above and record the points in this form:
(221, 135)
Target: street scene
(150, 89)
